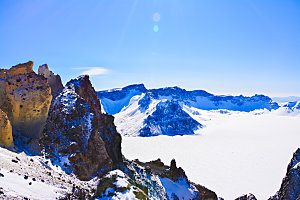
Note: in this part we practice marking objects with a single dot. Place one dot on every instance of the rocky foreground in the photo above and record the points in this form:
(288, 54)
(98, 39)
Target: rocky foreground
(56, 143)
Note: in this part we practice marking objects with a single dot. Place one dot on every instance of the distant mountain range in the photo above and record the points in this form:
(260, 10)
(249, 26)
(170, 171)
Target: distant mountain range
(286, 99)
(140, 111)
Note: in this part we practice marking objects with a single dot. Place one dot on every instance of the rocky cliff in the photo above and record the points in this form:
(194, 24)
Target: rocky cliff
(169, 119)
(6, 137)
(53, 80)
(25, 97)
(75, 128)
(290, 186)
(247, 197)
(175, 182)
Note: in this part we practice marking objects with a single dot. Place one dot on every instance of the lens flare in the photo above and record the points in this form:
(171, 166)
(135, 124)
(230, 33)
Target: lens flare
(155, 28)
(156, 17)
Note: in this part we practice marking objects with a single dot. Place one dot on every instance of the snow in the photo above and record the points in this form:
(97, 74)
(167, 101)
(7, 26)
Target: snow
(121, 180)
(236, 153)
(206, 103)
(14, 185)
(68, 98)
(47, 180)
(127, 195)
(286, 99)
(297, 165)
(131, 106)
(113, 107)
(182, 190)
(131, 119)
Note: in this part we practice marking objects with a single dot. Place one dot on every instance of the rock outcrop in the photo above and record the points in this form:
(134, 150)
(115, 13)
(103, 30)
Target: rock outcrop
(53, 80)
(74, 132)
(6, 137)
(169, 119)
(290, 186)
(25, 97)
(103, 122)
(247, 197)
(173, 177)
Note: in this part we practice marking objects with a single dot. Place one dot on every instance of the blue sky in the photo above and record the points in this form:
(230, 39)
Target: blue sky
(224, 47)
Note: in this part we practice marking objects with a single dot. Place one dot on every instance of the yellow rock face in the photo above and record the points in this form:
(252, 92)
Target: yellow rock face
(6, 137)
(26, 98)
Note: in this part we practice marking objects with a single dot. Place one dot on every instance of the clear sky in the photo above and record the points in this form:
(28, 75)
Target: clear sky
(224, 47)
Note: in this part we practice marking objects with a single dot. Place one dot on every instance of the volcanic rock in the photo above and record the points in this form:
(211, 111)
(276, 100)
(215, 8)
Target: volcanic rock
(25, 97)
(290, 186)
(53, 80)
(247, 197)
(74, 132)
(6, 137)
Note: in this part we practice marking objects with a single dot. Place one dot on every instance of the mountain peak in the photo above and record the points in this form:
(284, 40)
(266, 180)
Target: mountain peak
(139, 87)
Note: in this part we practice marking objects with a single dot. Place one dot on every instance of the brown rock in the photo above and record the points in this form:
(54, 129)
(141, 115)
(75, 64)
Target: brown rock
(73, 131)
(104, 122)
(6, 137)
(26, 98)
(53, 80)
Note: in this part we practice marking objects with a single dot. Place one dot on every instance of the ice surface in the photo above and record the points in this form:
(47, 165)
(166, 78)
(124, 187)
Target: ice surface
(235, 154)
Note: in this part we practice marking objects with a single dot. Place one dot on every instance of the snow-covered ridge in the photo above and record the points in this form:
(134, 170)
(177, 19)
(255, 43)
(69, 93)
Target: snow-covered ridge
(196, 98)
(172, 110)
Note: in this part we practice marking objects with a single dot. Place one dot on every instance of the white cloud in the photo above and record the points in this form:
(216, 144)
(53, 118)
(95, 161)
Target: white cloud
(93, 71)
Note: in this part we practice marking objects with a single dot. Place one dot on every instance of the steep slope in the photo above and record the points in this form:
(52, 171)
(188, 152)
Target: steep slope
(6, 137)
(167, 111)
(74, 129)
(290, 187)
(169, 119)
(53, 80)
(35, 177)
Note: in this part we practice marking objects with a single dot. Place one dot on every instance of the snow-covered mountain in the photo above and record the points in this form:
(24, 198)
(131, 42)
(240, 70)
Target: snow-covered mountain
(171, 111)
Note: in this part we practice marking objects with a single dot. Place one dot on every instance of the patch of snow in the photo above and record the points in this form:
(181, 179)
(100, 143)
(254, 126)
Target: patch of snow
(15, 185)
(114, 107)
(35, 177)
(131, 119)
(182, 190)
(297, 165)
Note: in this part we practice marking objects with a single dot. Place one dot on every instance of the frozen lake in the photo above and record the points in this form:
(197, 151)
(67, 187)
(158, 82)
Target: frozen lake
(234, 155)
